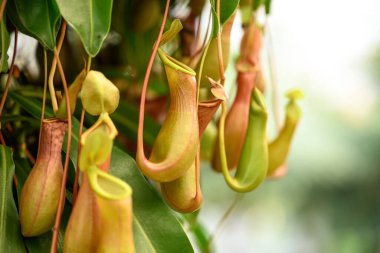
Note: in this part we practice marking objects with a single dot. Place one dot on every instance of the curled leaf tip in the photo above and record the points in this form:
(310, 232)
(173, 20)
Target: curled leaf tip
(294, 94)
(175, 28)
(218, 90)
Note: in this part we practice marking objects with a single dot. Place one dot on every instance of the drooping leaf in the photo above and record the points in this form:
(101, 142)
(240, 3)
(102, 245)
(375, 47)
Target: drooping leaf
(37, 18)
(10, 235)
(4, 45)
(91, 19)
(156, 229)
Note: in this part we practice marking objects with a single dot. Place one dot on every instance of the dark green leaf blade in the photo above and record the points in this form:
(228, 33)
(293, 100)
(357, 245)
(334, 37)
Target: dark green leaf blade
(91, 19)
(4, 45)
(36, 18)
(10, 235)
(227, 8)
(156, 229)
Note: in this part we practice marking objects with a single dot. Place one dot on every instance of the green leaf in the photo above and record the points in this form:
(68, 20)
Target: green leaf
(37, 18)
(4, 45)
(156, 229)
(91, 19)
(227, 8)
(10, 235)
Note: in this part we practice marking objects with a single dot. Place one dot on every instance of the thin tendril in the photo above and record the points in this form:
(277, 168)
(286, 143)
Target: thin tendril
(140, 143)
(53, 68)
(77, 172)
(224, 219)
(273, 80)
(67, 158)
(4, 97)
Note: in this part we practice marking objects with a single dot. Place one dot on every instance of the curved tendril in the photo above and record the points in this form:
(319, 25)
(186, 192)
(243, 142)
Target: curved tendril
(140, 142)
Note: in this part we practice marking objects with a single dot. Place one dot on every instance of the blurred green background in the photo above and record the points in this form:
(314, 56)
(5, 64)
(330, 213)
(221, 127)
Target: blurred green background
(329, 201)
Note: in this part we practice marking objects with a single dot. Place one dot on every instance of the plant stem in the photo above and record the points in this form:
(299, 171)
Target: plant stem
(54, 66)
(10, 74)
(89, 64)
(77, 171)
(223, 220)
(140, 143)
(67, 158)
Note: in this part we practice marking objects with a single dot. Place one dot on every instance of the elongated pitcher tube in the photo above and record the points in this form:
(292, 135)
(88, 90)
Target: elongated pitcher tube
(279, 147)
(184, 194)
(253, 163)
(40, 194)
(176, 144)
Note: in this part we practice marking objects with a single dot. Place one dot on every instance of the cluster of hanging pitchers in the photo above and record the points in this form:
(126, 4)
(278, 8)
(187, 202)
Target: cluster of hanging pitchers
(102, 215)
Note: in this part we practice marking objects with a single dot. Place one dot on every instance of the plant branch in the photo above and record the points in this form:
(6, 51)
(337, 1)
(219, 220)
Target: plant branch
(77, 171)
